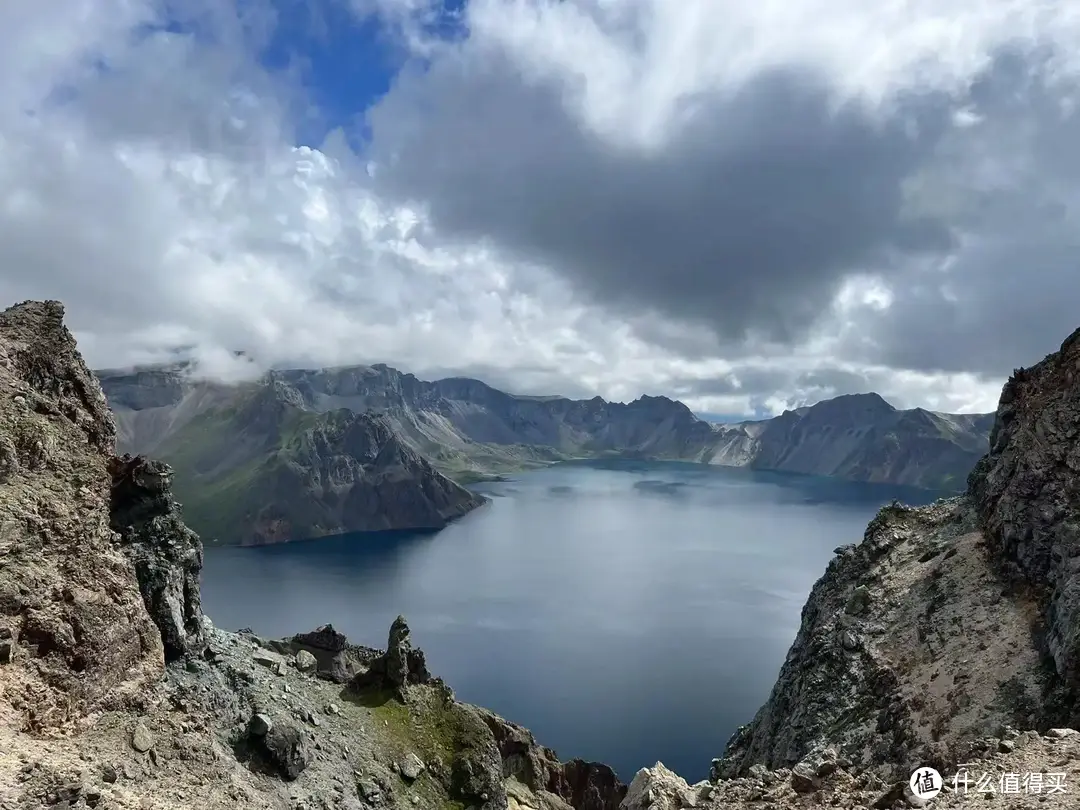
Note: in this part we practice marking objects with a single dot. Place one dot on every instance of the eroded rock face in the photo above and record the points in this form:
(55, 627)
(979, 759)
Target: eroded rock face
(167, 555)
(1027, 493)
(582, 785)
(400, 666)
(80, 634)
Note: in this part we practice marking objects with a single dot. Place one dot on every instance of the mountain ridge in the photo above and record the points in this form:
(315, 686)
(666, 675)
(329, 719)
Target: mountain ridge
(470, 429)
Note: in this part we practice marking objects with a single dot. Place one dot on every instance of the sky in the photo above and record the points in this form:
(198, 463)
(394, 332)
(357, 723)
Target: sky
(746, 206)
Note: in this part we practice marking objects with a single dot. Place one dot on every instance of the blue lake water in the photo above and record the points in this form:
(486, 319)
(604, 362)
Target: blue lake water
(624, 612)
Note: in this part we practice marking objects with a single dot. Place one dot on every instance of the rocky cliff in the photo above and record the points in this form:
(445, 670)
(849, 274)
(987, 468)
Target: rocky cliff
(948, 624)
(258, 467)
(469, 429)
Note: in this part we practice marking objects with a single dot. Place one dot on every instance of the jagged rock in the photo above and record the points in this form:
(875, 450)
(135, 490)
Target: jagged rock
(168, 556)
(397, 655)
(584, 785)
(658, 788)
(804, 780)
(260, 725)
(322, 638)
(326, 653)
(398, 667)
(1027, 493)
(80, 634)
(285, 747)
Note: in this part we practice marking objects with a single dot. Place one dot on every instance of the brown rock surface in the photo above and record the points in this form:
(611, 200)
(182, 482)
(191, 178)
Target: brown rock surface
(80, 633)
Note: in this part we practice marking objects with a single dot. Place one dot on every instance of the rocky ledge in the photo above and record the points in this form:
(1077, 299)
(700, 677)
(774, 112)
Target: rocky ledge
(946, 638)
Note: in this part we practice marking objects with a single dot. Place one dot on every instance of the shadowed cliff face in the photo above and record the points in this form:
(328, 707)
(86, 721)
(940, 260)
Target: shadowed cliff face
(1027, 494)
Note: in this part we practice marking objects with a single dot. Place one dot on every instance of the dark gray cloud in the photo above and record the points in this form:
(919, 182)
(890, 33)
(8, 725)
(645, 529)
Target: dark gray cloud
(746, 220)
(751, 216)
(1008, 297)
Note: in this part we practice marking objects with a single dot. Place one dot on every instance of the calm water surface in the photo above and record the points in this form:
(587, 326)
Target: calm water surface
(624, 612)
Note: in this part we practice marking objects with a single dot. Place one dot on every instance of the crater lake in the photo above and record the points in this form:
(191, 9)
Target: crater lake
(624, 612)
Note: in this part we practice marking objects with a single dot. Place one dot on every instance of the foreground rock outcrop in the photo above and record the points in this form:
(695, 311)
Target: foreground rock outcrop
(946, 638)
(76, 633)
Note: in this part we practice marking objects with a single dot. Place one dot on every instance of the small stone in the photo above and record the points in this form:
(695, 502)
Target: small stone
(1006, 746)
(1061, 733)
(108, 774)
(411, 767)
(141, 739)
(859, 601)
(6, 652)
(804, 780)
(266, 659)
(849, 641)
(305, 661)
(260, 725)
(332, 708)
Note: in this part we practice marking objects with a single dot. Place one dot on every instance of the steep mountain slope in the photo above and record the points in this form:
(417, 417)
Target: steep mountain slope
(469, 429)
(259, 468)
(861, 437)
(948, 623)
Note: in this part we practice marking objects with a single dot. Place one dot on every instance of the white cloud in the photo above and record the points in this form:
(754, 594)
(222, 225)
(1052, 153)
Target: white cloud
(149, 180)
